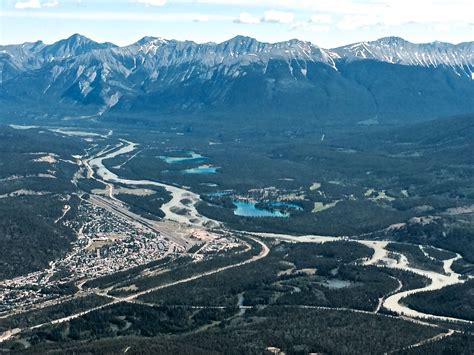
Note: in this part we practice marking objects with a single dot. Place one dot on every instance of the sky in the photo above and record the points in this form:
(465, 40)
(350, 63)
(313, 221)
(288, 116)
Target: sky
(327, 23)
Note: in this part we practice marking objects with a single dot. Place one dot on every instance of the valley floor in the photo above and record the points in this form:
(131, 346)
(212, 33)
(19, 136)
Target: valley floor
(123, 258)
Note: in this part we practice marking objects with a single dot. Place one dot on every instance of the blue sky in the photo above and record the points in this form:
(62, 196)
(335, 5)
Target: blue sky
(328, 23)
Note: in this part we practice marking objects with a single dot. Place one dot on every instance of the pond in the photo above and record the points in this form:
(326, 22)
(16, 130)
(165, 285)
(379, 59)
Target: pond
(190, 158)
(336, 283)
(248, 209)
(202, 169)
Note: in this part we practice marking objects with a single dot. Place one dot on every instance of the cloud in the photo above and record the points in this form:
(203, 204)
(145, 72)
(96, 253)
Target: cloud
(345, 15)
(113, 16)
(151, 2)
(441, 28)
(325, 6)
(53, 3)
(201, 18)
(271, 16)
(386, 12)
(274, 16)
(309, 26)
(35, 4)
(316, 23)
(246, 18)
(354, 22)
(30, 4)
(394, 13)
(323, 19)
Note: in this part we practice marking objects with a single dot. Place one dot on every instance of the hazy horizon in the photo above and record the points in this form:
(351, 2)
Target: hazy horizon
(217, 42)
(325, 24)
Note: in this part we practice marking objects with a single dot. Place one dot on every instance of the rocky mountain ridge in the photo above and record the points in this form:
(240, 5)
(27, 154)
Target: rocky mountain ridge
(292, 77)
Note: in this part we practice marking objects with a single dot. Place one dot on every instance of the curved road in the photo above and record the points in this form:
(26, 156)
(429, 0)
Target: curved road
(392, 303)
(263, 253)
(177, 194)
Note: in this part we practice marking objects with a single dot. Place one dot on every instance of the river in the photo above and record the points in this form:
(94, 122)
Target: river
(380, 257)
(177, 209)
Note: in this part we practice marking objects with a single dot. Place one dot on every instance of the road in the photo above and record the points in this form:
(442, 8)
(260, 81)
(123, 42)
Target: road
(380, 254)
(116, 300)
(172, 231)
(393, 302)
(177, 222)
(178, 195)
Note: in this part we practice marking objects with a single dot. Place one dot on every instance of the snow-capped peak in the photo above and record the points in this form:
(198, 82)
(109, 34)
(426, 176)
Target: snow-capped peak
(396, 50)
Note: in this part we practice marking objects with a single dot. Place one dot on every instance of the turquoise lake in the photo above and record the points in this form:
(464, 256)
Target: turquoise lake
(203, 169)
(336, 283)
(190, 158)
(248, 209)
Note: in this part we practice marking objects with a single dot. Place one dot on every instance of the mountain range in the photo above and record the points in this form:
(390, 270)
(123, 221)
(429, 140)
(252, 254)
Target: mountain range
(389, 80)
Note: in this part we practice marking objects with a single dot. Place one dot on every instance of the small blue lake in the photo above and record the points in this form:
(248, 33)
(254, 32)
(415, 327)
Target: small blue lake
(248, 209)
(336, 284)
(203, 169)
(191, 157)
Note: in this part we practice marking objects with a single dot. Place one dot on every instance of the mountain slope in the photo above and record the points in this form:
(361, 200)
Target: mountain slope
(395, 50)
(389, 80)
